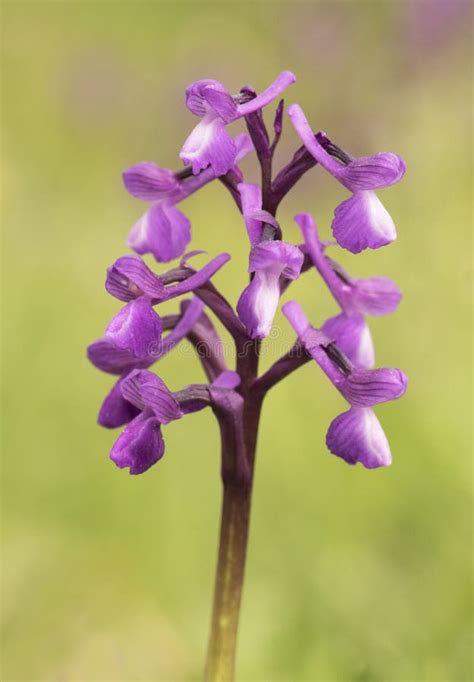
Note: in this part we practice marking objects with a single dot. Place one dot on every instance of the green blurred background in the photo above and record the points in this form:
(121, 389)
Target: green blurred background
(352, 574)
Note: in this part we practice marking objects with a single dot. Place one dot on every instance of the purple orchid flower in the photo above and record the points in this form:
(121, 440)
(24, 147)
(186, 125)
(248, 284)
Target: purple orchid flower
(163, 230)
(115, 410)
(128, 338)
(209, 143)
(356, 297)
(361, 221)
(268, 261)
(129, 277)
(360, 387)
(141, 444)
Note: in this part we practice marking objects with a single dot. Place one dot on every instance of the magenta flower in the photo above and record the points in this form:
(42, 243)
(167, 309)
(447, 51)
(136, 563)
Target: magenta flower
(209, 144)
(163, 230)
(361, 221)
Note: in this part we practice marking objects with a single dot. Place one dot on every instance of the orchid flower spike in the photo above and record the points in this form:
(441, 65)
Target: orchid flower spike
(361, 221)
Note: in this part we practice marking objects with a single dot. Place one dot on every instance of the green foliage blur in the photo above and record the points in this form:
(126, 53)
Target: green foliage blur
(353, 575)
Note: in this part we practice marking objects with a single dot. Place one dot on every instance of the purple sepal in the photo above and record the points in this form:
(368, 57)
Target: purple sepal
(115, 410)
(276, 256)
(279, 85)
(362, 222)
(135, 328)
(352, 336)
(251, 198)
(107, 357)
(375, 295)
(296, 317)
(146, 390)
(199, 278)
(356, 436)
(207, 95)
(366, 387)
(129, 277)
(149, 182)
(227, 379)
(372, 172)
(364, 173)
(258, 303)
(209, 144)
(163, 231)
(192, 312)
(140, 445)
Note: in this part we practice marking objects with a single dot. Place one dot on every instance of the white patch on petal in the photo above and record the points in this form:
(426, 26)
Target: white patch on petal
(138, 237)
(365, 355)
(378, 216)
(199, 139)
(377, 444)
(266, 300)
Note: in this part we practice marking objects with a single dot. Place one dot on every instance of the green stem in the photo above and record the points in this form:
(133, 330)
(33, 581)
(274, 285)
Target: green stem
(229, 582)
(235, 521)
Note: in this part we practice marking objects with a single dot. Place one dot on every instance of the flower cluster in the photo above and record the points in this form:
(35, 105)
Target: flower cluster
(137, 337)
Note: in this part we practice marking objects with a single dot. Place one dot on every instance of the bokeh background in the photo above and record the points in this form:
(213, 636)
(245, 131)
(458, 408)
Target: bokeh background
(353, 575)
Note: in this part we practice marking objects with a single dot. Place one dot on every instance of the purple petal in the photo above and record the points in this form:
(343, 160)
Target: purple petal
(221, 102)
(191, 315)
(315, 250)
(259, 301)
(227, 379)
(163, 231)
(129, 277)
(279, 85)
(352, 336)
(209, 145)
(356, 436)
(362, 222)
(318, 344)
(149, 182)
(106, 356)
(366, 387)
(115, 410)
(199, 278)
(296, 317)
(375, 295)
(186, 257)
(146, 390)
(372, 172)
(278, 257)
(258, 304)
(140, 446)
(135, 328)
(364, 173)
(251, 198)
(244, 146)
(208, 95)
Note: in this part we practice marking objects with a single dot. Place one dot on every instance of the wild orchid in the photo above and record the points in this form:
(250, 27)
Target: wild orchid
(138, 336)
